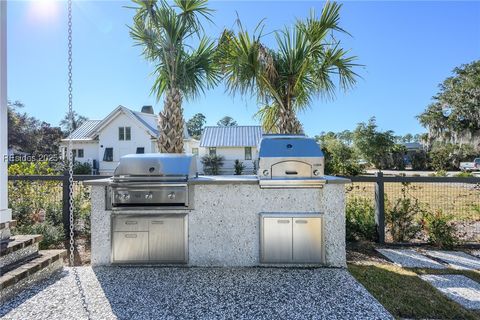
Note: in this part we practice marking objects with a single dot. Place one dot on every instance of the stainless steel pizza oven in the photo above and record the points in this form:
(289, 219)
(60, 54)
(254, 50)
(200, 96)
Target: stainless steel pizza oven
(290, 161)
(152, 181)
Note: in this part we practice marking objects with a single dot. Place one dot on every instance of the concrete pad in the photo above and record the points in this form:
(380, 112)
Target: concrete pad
(456, 259)
(198, 293)
(409, 258)
(459, 288)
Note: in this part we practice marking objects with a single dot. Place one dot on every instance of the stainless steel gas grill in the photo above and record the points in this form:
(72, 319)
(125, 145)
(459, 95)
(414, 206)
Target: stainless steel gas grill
(290, 161)
(149, 197)
(152, 181)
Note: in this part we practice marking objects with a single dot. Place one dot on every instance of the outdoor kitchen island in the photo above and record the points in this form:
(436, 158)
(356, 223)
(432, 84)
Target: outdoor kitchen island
(234, 222)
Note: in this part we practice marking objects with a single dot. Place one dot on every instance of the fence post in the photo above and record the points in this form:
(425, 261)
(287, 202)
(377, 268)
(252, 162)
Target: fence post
(380, 207)
(66, 203)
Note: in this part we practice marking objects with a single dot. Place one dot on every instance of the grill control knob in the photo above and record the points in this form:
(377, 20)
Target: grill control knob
(149, 196)
(171, 195)
(316, 172)
(126, 196)
(265, 172)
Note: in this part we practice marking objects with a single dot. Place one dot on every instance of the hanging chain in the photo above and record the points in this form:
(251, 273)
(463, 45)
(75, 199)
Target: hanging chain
(70, 166)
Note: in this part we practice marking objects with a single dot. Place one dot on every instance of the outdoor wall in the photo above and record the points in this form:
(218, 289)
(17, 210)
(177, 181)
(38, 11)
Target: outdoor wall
(108, 138)
(90, 150)
(224, 225)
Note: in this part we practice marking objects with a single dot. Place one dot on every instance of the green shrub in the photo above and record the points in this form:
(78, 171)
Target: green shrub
(53, 235)
(402, 217)
(239, 167)
(439, 173)
(82, 168)
(464, 175)
(41, 201)
(340, 158)
(360, 219)
(419, 160)
(212, 164)
(440, 230)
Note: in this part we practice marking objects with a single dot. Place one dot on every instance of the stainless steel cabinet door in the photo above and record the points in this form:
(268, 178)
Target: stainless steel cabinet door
(167, 239)
(130, 246)
(277, 240)
(307, 240)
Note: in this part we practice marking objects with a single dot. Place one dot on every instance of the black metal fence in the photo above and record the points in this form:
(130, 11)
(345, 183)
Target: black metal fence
(56, 189)
(455, 197)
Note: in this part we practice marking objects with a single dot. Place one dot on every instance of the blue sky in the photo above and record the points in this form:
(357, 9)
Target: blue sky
(407, 48)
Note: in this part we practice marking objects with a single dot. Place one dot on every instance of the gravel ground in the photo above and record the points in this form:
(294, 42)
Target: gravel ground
(198, 293)
(409, 258)
(456, 259)
(459, 288)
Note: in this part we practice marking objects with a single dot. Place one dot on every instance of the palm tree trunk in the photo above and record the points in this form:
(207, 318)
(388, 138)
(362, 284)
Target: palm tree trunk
(288, 122)
(170, 123)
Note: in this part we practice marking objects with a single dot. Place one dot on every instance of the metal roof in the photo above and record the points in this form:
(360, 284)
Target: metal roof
(235, 136)
(85, 131)
(89, 128)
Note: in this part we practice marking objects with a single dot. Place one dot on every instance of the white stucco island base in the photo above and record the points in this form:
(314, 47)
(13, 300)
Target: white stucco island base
(224, 224)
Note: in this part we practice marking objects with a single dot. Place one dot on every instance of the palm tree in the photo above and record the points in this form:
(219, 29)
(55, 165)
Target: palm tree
(305, 65)
(167, 35)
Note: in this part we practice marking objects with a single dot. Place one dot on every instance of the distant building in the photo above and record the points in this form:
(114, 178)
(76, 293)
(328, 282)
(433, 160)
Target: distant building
(102, 142)
(233, 143)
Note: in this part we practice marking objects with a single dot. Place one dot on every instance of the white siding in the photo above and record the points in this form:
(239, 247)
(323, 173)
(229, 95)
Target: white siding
(108, 138)
(231, 154)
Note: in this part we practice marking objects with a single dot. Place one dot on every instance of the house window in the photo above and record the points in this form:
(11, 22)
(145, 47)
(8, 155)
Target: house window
(140, 150)
(248, 153)
(195, 151)
(128, 135)
(124, 133)
(74, 153)
(212, 151)
(80, 153)
(108, 155)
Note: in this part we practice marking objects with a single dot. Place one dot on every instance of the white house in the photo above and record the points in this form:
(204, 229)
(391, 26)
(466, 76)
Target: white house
(233, 143)
(123, 131)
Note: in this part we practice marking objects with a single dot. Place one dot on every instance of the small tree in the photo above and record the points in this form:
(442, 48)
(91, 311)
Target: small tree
(195, 125)
(227, 122)
(375, 146)
(212, 164)
(340, 158)
(75, 120)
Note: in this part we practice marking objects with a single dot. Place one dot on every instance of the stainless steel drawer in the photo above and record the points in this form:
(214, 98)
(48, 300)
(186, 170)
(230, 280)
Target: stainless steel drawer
(276, 240)
(130, 224)
(166, 239)
(307, 240)
(130, 246)
(291, 238)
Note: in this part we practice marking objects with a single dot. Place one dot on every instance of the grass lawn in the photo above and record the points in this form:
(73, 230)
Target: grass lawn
(405, 295)
(401, 290)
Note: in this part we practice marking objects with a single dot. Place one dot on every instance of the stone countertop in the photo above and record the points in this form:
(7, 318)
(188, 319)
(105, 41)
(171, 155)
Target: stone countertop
(223, 179)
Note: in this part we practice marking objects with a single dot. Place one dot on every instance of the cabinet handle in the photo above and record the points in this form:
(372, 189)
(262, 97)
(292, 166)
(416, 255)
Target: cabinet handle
(157, 222)
(130, 236)
(290, 172)
(283, 221)
(301, 221)
(131, 222)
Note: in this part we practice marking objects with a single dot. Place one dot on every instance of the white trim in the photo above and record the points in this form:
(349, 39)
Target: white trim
(114, 114)
(5, 213)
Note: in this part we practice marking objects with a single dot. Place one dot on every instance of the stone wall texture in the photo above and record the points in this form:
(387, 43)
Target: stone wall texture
(223, 227)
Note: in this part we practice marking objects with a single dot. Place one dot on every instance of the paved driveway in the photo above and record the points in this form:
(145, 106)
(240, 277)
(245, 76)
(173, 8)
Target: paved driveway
(198, 293)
